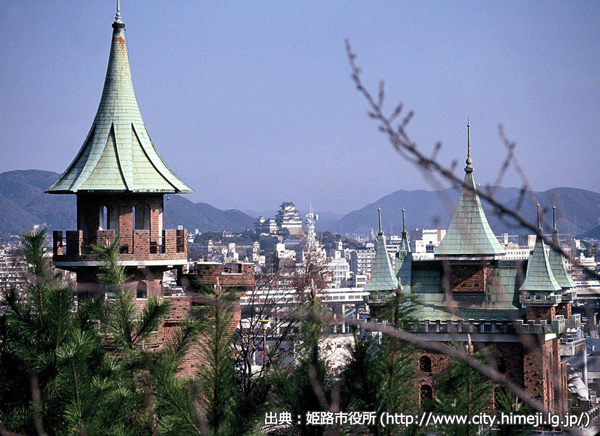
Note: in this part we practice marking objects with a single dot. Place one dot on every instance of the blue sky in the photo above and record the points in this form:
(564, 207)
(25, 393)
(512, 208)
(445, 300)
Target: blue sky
(251, 102)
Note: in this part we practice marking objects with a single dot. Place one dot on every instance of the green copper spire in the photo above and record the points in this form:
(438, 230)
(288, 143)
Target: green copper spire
(403, 261)
(382, 275)
(469, 233)
(469, 167)
(404, 242)
(557, 261)
(118, 154)
(118, 16)
(539, 276)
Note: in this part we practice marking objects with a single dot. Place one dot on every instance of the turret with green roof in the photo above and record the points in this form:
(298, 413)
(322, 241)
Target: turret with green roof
(383, 282)
(403, 263)
(120, 181)
(118, 154)
(469, 233)
(468, 277)
(557, 261)
(546, 280)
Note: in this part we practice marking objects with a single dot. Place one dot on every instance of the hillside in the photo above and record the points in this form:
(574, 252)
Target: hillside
(24, 204)
(577, 211)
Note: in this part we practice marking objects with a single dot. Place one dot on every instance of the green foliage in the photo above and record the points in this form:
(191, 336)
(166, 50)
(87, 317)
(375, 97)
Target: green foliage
(268, 243)
(33, 250)
(246, 237)
(307, 386)
(461, 390)
(378, 376)
(362, 376)
(94, 372)
(174, 396)
(216, 377)
(330, 240)
(111, 273)
(508, 402)
(86, 365)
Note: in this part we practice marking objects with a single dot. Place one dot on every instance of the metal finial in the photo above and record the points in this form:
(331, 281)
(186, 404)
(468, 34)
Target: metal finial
(379, 213)
(469, 167)
(538, 217)
(118, 16)
(403, 222)
(554, 219)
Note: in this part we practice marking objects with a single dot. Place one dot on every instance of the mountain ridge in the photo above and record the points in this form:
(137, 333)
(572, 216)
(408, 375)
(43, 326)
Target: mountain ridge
(24, 204)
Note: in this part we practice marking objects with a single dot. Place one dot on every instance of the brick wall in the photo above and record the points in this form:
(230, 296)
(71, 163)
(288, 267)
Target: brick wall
(439, 362)
(141, 244)
(537, 313)
(536, 367)
(126, 226)
(564, 309)
(540, 371)
(468, 278)
(105, 237)
(150, 243)
(240, 274)
(120, 207)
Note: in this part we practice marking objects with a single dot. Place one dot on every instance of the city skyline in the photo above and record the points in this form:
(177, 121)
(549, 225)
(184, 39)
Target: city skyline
(252, 104)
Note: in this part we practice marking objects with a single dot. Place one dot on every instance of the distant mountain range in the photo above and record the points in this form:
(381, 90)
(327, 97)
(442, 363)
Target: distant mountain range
(577, 210)
(24, 204)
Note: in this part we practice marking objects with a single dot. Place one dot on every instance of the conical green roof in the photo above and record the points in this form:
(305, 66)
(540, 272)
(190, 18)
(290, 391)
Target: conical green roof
(118, 154)
(557, 262)
(403, 261)
(539, 275)
(382, 274)
(469, 233)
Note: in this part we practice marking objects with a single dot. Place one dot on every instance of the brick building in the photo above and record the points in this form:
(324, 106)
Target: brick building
(120, 181)
(469, 293)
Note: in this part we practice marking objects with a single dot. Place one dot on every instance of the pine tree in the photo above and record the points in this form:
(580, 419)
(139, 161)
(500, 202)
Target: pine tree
(87, 367)
(378, 376)
(74, 384)
(216, 376)
(175, 396)
(461, 390)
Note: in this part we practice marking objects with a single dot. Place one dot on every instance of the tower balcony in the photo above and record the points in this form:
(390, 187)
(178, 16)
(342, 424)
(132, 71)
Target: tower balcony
(142, 248)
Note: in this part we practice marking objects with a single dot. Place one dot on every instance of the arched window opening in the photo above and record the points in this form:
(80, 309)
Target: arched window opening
(142, 290)
(426, 394)
(141, 217)
(160, 227)
(425, 364)
(501, 365)
(113, 219)
(103, 218)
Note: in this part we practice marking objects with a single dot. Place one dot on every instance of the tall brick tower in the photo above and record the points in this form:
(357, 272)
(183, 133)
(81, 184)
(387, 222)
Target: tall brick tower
(546, 295)
(120, 180)
(472, 295)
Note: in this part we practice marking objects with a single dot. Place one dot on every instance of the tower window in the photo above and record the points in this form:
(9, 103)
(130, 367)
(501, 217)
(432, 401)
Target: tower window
(141, 217)
(142, 290)
(425, 364)
(103, 219)
(426, 394)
